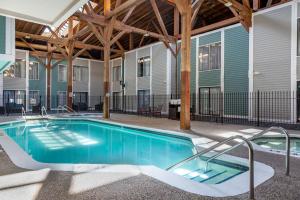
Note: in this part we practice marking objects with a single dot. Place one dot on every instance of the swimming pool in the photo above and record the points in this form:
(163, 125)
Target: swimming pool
(278, 144)
(91, 142)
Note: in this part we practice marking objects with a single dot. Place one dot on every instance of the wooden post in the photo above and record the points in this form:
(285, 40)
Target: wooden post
(106, 113)
(48, 67)
(130, 41)
(185, 9)
(70, 66)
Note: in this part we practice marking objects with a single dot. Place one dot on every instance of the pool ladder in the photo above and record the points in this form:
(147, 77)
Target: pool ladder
(23, 113)
(250, 156)
(65, 108)
(273, 128)
(44, 112)
(205, 151)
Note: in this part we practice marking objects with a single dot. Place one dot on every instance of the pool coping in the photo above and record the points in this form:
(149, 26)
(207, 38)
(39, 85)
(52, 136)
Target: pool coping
(230, 187)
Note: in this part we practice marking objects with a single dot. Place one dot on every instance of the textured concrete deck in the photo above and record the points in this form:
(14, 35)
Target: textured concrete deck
(16, 183)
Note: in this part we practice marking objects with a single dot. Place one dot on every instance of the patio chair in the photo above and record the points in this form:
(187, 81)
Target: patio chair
(156, 111)
(144, 111)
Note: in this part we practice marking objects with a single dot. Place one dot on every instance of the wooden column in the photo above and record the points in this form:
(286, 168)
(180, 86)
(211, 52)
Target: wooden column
(185, 8)
(106, 113)
(48, 68)
(70, 65)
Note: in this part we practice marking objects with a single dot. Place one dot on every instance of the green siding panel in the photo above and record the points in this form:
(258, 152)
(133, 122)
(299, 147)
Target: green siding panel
(236, 61)
(56, 85)
(39, 85)
(2, 34)
(193, 65)
(210, 38)
(210, 78)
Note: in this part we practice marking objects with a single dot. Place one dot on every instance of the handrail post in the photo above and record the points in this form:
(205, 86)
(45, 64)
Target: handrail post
(288, 152)
(288, 145)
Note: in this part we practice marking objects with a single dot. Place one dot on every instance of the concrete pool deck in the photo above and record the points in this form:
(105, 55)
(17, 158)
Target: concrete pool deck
(17, 183)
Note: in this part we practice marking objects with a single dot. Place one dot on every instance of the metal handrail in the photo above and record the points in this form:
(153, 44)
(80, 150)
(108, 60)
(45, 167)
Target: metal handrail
(287, 140)
(256, 136)
(69, 109)
(23, 113)
(43, 110)
(205, 151)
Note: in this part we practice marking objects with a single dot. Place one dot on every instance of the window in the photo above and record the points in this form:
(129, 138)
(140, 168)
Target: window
(14, 96)
(62, 73)
(80, 73)
(61, 98)
(80, 97)
(143, 99)
(33, 71)
(34, 98)
(144, 66)
(210, 57)
(209, 101)
(116, 73)
(17, 70)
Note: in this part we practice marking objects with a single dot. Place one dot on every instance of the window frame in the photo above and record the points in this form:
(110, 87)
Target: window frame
(209, 45)
(13, 69)
(58, 76)
(80, 73)
(65, 99)
(38, 71)
(119, 74)
(139, 75)
(37, 100)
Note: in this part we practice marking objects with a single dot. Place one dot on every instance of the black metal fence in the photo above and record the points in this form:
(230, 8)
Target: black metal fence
(258, 108)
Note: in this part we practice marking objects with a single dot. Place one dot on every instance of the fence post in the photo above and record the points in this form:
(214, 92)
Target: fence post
(258, 108)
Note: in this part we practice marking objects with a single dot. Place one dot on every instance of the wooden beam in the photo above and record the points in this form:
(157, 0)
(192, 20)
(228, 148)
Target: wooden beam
(128, 14)
(131, 41)
(159, 18)
(61, 41)
(96, 32)
(117, 37)
(167, 45)
(176, 22)
(196, 10)
(122, 8)
(185, 8)
(100, 20)
(256, 5)
(217, 25)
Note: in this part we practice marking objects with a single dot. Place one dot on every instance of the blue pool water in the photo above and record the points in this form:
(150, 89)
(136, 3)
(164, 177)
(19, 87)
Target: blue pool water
(278, 143)
(90, 142)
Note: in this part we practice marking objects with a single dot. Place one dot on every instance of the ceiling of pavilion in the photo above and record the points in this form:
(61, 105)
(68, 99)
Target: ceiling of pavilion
(142, 16)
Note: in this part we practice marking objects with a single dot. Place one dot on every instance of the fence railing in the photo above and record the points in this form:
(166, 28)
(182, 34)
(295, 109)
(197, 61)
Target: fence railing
(257, 108)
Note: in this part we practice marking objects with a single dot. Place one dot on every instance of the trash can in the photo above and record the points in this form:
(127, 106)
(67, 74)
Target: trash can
(174, 109)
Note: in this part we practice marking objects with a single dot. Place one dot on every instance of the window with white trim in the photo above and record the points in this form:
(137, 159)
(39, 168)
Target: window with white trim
(61, 98)
(116, 73)
(144, 66)
(62, 73)
(33, 71)
(17, 70)
(80, 73)
(210, 57)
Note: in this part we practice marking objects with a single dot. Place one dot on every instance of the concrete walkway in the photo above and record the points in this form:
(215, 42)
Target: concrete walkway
(19, 184)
